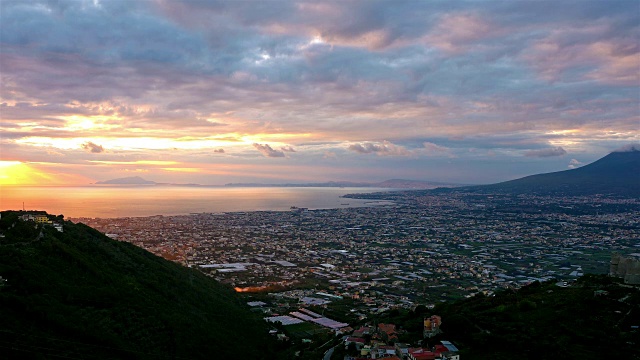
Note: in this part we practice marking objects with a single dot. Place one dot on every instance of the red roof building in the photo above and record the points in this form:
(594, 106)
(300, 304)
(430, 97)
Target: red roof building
(440, 349)
(355, 340)
(388, 332)
(421, 354)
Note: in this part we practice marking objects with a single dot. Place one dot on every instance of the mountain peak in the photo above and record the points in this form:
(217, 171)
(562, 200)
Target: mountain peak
(628, 148)
(616, 174)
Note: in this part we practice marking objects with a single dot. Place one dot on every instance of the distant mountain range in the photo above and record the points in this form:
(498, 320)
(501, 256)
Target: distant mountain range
(617, 174)
(392, 184)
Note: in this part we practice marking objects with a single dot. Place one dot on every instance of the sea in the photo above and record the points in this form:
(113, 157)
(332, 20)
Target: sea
(99, 201)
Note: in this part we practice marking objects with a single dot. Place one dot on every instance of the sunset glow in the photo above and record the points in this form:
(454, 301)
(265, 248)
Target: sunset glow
(471, 92)
(17, 173)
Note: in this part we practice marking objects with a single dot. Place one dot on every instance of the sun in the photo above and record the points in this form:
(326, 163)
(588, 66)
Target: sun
(18, 173)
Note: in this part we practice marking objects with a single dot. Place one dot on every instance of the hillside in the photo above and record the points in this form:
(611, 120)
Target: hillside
(79, 294)
(592, 319)
(616, 174)
(596, 317)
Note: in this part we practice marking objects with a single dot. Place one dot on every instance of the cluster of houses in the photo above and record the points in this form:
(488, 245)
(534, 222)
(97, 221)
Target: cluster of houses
(41, 218)
(381, 342)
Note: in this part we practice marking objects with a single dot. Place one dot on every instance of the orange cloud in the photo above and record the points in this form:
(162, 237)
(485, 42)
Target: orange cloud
(179, 169)
(137, 162)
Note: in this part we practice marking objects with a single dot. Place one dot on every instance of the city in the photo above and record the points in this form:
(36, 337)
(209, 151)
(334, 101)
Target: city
(336, 180)
(424, 249)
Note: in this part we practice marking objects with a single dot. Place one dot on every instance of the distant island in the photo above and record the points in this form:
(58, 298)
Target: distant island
(131, 180)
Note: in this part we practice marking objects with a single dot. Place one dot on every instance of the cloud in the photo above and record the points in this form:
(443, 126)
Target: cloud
(385, 148)
(628, 148)
(574, 164)
(93, 148)
(542, 153)
(185, 78)
(329, 155)
(458, 32)
(220, 151)
(586, 52)
(435, 149)
(268, 151)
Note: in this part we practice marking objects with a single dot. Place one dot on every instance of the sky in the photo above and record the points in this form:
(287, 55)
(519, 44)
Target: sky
(215, 92)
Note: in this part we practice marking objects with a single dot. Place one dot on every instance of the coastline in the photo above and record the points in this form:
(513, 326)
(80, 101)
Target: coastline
(110, 201)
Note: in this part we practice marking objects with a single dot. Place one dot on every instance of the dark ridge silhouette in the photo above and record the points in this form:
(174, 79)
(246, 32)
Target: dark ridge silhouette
(617, 174)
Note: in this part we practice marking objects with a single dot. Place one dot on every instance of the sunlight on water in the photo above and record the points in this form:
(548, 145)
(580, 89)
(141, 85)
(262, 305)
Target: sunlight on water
(119, 201)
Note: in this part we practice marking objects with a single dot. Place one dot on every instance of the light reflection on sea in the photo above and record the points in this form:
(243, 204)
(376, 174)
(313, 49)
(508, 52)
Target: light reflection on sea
(123, 201)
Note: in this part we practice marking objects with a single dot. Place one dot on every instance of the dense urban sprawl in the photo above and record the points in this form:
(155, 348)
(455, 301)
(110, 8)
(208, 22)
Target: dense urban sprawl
(424, 249)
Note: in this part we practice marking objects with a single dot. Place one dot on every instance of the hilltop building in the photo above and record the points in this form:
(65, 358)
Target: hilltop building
(626, 267)
(38, 218)
(41, 218)
(432, 326)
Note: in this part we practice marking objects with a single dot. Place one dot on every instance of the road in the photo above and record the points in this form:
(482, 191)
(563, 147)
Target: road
(328, 353)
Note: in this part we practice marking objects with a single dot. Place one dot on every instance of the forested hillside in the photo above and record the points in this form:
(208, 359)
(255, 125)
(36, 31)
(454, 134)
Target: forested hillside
(79, 294)
(592, 319)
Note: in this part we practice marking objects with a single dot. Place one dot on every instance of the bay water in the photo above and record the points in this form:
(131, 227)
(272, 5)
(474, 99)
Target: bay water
(148, 200)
